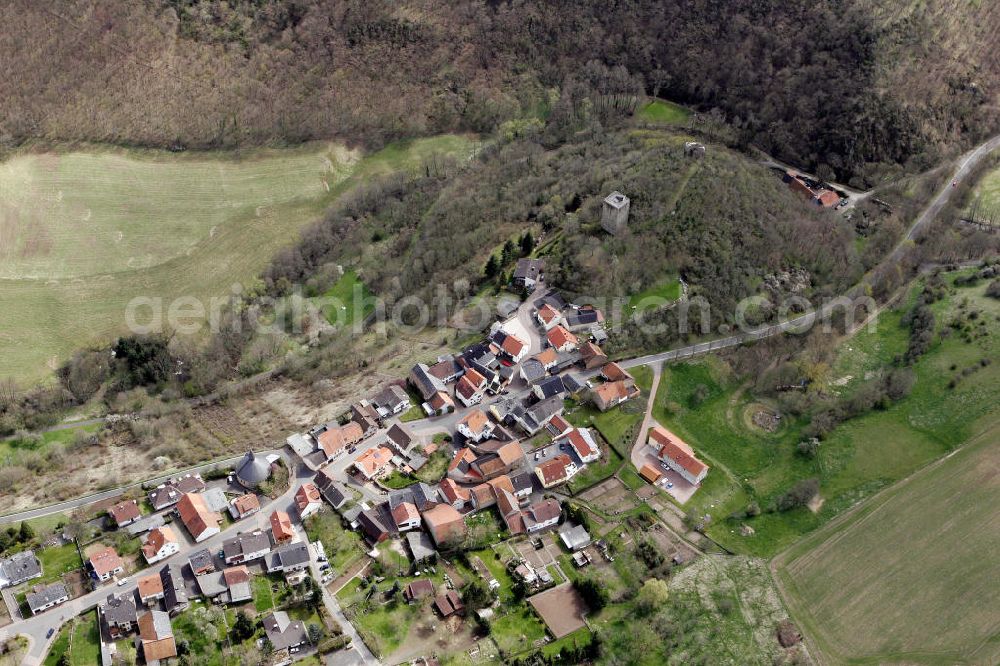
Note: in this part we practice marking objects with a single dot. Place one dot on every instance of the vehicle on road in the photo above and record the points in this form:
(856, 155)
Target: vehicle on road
(122, 581)
(48, 634)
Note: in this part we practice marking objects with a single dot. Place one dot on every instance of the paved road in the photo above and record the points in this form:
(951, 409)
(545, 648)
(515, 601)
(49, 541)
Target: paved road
(364, 655)
(70, 505)
(36, 627)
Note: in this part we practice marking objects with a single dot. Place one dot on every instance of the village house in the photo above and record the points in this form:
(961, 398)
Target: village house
(292, 559)
(400, 437)
(366, 416)
(19, 568)
(283, 632)
(156, 637)
(591, 356)
(541, 514)
(447, 369)
(150, 588)
(393, 399)
(444, 523)
(583, 444)
(160, 544)
(164, 496)
(534, 418)
(678, 456)
(253, 470)
(421, 546)
(523, 485)
(246, 547)
(471, 388)
(243, 506)
(439, 404)
(105, 563)
(561, 340)
(125, 513)
(548, 387)
(119, 614)
(509, 509)
(175, 598)
(200, 522)
(476, 426)
(374, 462)
(424, 382)
(237, 581)
(43, 597)
(332, 490)
(499, 461)
(406, 516)
(558, 425)
(585, 318)
(282, 530)
(548, 317)
(650, 473)
(528, 273)
(373, 525)
(619, 386)
(549, 358)
(533, 369)
(559, 469)
(201, 562)
(336, 440)
(509, 345)
(456, 496)
(307, 500)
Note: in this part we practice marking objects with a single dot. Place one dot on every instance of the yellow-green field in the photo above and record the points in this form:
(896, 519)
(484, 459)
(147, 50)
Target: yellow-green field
(910, 577)
(986, 197)
(83, 233)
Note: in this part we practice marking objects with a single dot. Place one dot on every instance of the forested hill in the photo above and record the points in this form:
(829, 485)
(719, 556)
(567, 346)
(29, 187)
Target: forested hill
(854, 85)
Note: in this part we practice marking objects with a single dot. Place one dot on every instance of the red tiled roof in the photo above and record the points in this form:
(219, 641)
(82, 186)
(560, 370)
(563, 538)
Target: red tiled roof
(548, 357)
(195, 514)
(404, 513)
(150, 586)
(560, 423)
(554, 470)
(559, 336)
(462, 455)
(307, 494)
(334, 440)
(124, 512)
(589, 349)
(281, 526)
(156, 539)
(476, 421)
(440, 400)
(372, 460)
(453, 492)
(246, 504)
(547, 313)
(614, 372)
(512, 345)
(686, 460)
(105, 561)
(236, 575)
(580, 444)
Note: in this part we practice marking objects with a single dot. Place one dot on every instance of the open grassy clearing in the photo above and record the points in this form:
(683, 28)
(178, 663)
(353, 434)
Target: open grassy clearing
(347, 301)
(927, 543)
(668, 291)
(987, 192)
(13, 448)
(156, 225)
(660, 111)
(861, 455)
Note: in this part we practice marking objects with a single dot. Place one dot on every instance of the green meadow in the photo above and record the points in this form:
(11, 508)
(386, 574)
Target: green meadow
(85, 232)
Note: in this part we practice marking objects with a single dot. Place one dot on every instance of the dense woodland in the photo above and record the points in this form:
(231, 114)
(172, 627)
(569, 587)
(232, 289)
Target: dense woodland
(842, 87)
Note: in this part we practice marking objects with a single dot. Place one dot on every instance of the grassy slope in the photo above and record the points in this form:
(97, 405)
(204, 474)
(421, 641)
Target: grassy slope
(248, 210)
(929, 540)
(663, 112)
(859, 458)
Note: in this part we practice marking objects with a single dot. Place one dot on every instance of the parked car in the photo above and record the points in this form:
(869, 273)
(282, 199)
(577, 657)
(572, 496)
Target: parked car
(49, 633)
(122, 581)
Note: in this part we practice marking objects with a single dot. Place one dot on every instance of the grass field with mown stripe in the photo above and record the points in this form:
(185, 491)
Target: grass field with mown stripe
(116, 225)
(910, 576)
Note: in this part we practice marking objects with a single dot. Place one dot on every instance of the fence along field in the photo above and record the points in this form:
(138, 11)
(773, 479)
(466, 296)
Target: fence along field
(83, 233)
(911, 576)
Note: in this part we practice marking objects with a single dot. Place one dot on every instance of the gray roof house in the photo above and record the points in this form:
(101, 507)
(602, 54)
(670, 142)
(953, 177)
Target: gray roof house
(175, 598)
(332, 490)
(400, 437)
(283, 632)
(252, 471)
(528, 272)
(290, 557)
(42, 598)
(246, 547)
(422, 380)
(202, 562)
(119, 614)
(420, 545)
(18, 568)
(535, 417)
